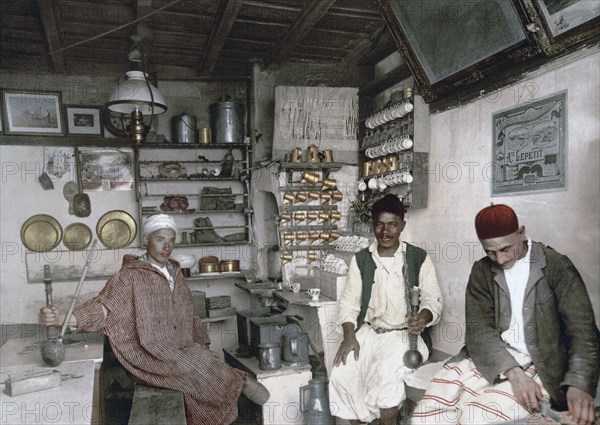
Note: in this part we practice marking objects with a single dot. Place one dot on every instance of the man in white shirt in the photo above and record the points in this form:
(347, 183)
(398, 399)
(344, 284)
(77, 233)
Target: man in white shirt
(367, 381)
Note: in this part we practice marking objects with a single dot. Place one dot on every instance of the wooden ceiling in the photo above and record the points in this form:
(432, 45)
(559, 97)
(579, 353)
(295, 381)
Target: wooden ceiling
(187, 38)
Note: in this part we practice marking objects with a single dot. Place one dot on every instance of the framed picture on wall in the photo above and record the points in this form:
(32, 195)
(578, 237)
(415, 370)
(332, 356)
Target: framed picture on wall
(560, 24)
(84, 119)
(32, 113)
(105, 169)
(530, 147)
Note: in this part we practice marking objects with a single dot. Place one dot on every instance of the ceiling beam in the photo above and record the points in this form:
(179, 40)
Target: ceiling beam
(372, 50)
(311, 14)
(224, 20)
(49, 23)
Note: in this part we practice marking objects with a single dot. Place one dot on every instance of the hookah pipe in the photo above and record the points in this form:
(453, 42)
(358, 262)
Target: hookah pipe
(52, 353)
(53, 350)
(413, 358)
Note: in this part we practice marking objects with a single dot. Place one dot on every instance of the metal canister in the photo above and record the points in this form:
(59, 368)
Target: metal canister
(204, 136)
(184, 128)
(227, 122)
(269, 356)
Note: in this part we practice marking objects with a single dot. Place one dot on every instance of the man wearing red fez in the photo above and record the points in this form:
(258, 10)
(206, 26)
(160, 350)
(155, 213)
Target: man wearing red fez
(532, 343)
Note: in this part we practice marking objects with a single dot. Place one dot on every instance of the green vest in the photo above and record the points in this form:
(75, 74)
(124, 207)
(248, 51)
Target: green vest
(415, 257)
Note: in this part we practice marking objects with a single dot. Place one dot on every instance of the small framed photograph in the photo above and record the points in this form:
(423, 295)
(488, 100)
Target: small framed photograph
(84, 119)
(33, 113)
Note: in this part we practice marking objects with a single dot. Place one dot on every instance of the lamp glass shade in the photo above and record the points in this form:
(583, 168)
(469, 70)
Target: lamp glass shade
(136, 94)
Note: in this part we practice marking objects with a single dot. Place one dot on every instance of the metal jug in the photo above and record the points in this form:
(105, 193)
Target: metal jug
(295, 346)
(315, 408)
(296, 155)
(313, 154)
(269, 356)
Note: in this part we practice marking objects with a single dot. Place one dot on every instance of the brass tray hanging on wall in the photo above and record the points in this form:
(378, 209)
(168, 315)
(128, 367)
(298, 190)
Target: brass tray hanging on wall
(116, 229)
(41, 233)
(77, 236)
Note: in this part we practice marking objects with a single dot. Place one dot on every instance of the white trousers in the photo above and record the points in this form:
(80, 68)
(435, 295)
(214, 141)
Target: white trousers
(360, 388)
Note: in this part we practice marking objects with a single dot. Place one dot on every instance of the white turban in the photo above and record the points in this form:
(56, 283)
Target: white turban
(158, 221)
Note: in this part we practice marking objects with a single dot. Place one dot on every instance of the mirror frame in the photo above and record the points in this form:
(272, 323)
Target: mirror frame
(496, 67)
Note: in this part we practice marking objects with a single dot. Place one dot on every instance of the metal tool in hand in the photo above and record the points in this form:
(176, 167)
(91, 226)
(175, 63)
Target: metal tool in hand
(413, 358)
(52, 353)
(53, 350)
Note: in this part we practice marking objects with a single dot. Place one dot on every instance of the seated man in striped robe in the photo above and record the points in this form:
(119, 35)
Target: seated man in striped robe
(147, 312)
(532, 343)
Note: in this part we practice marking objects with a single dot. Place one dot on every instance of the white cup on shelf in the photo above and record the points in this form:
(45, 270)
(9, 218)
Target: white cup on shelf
(373, 184)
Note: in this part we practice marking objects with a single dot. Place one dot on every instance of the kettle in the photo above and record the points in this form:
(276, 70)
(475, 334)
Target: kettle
(295, 346)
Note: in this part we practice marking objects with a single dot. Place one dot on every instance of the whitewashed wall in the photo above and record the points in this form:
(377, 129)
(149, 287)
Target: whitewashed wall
(568, 220)
(22, 196)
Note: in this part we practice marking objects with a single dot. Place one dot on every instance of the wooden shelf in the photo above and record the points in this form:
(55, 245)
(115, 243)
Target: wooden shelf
(200, 277)
(78, 140)
(329, 166)
(308, 227)
(386, 81)
(301, 207)
(241, 242)
(194, 146)
(306, 248)
(217, 319)
(196, 211)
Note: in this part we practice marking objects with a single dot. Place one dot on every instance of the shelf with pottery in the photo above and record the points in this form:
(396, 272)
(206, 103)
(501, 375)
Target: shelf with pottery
(393, 153)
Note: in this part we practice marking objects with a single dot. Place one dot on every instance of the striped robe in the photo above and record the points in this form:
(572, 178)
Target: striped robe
(158, 339)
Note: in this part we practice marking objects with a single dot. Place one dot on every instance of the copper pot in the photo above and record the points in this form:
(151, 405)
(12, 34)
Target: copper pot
(299, 216)
(301, 236)
(310, 178)
(314, 236)
(230, 265)
(288, 197)
(330, 183)
(336, 196)
(301, 196)
(335, 216)
(209, 268)
(313, 195)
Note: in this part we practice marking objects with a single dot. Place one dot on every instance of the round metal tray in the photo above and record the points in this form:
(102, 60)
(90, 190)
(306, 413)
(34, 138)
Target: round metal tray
(116, 229)
(41, 233)
(77, 236)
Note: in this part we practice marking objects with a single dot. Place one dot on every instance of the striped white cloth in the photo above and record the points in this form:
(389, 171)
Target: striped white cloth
(459, 394)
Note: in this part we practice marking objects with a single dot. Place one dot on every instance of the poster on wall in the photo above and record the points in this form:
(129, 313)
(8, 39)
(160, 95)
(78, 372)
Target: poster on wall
(530, 147)
(106, 169)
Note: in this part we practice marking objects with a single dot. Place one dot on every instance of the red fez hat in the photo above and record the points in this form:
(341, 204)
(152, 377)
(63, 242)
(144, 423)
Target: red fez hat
(496, 221)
